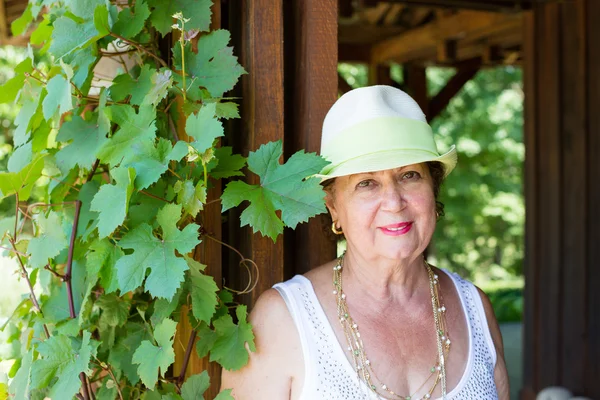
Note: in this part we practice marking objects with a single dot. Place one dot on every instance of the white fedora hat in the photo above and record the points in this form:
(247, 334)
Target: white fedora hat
(377, 128)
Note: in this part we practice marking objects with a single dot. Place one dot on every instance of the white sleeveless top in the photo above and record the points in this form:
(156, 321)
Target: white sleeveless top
(329, 374)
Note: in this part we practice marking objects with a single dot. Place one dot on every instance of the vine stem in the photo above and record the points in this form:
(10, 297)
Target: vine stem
(67, 279)
(112, 375)
(140, 48)
(188, 354)
(31, 292)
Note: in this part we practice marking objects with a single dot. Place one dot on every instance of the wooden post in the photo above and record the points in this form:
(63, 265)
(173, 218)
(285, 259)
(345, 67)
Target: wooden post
(592, 371)
(312, 89)
(258, 25)
(562, 59)
(415, 81)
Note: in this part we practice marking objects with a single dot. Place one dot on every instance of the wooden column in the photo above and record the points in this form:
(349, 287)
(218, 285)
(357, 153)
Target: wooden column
(592, 29)
(415, 80)
(209, 253)
(311, 89)
(562, 54)
(257, 26)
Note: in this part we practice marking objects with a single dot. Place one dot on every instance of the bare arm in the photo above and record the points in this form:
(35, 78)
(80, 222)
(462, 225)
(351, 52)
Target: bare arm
(500, 372)
(270, 370)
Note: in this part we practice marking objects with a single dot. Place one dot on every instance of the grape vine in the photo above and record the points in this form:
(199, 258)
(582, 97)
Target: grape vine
(110, 177)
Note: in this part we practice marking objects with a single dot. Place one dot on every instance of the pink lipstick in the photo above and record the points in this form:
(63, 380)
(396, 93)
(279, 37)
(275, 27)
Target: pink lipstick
(396, 229)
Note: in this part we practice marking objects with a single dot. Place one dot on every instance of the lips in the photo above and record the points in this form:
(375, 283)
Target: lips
(397, 229)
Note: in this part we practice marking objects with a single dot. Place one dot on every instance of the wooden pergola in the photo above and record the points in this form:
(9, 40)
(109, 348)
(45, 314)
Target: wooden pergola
(291, 49)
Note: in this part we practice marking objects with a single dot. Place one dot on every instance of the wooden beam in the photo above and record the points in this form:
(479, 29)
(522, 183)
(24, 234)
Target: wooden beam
(315, 89)
(4, 29)
(447, 51)
(438, 103)
(465, 27)
(479, 5)
(354, 53)
(392, 15)
(376, 14)
(380, 75)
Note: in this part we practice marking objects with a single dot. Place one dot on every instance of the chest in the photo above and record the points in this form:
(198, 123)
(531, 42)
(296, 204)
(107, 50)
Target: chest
(401, 343)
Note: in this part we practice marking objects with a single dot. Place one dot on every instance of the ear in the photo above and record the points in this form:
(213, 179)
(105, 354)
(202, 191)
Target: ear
(330, 204)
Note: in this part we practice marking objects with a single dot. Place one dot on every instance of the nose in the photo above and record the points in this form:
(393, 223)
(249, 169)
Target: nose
(392, 198)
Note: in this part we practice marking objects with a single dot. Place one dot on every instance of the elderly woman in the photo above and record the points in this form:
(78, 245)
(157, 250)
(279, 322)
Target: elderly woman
(379, 322)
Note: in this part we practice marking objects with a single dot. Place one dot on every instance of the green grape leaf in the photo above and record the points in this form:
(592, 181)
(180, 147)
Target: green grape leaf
(87, 218)
(192, 198)
(225, 395)
(206, 341)
(153, 359)
(164, 308)
(151, 162)
(227, 164)
(197, 11)
(102, 21)
(49, 242)
(229, 349)
(131, 23)
(20, 157)
(112, 201)
(125, 85)
(128, 340)
(86, 137)
(203, 290)
(166, 269)
(101, 260)
(227, 110)
(19, 387)
(20, 25)
(282, 187)
(114, 309)
(60, 359)
(56, 306)
(161, 81)
(69, 36)
(11, 88)
(195, 386)
(134, 128)
(204, 127)
(58, 97)
(214, 66)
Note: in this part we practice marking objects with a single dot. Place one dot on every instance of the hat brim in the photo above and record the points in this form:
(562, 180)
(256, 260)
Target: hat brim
(389, 159)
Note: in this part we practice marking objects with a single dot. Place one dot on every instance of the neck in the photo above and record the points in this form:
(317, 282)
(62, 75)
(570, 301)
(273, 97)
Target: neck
(385, 281)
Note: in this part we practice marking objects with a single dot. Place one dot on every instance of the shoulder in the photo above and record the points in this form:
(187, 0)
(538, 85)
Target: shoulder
(274, 364)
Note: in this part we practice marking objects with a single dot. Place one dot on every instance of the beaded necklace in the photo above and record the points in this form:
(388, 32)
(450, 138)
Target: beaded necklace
(364, 369)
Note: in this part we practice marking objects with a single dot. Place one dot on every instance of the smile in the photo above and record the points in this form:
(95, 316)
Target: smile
(397, 229)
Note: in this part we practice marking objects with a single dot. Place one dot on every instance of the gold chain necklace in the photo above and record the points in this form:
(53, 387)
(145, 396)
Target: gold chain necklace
(362, 364)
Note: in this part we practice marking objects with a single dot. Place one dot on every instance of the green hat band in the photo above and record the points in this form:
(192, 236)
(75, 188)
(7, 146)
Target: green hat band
(385, 136)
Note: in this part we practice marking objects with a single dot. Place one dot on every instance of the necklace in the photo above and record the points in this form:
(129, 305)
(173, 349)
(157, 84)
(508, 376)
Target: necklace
(364, 369)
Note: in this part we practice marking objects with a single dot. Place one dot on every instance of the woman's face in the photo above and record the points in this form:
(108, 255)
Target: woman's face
(385, 214)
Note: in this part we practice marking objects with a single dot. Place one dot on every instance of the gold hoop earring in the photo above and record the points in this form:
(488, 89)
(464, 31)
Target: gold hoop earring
(335, 230)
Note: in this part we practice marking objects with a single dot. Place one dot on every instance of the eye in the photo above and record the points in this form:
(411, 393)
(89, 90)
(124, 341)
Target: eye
(411, 175)
(365, 183)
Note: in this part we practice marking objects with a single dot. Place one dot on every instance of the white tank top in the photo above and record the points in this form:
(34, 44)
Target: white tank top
(329, 374)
